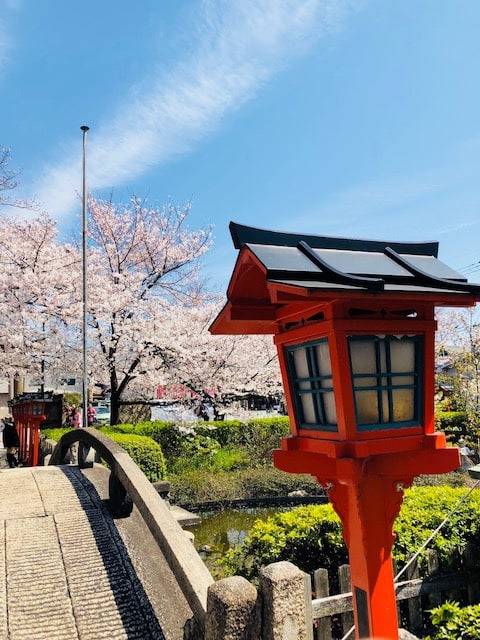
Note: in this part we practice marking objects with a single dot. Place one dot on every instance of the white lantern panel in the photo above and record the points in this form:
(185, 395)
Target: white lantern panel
(363, 358)
(323, 359)
(402, 354)
(308, 408)
(330, 408)
(301, 365)
(403, 405)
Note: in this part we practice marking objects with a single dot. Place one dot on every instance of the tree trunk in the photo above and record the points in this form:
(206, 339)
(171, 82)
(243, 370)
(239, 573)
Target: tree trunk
(114, 400)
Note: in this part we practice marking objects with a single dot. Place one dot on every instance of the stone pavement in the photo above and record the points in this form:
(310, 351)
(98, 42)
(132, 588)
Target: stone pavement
(65, 572)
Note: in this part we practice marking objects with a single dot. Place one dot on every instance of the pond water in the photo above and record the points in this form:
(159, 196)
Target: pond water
(223, 530)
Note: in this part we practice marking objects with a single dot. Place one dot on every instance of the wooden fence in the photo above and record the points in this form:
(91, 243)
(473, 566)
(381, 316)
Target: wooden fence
(332, 615)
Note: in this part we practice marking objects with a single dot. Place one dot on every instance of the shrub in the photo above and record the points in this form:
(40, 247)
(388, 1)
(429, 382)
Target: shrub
(169, 436)
(193, 487)
(53, 433)
(145, 452)
(424, 509)
(258, 436)
(454, 424)
(311, 536)
(452, 621)
(192, 446)
(458, 478)
(196, 487)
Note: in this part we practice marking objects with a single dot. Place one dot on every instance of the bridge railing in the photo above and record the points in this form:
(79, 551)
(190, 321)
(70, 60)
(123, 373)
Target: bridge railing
(230, 608)
(128, 485)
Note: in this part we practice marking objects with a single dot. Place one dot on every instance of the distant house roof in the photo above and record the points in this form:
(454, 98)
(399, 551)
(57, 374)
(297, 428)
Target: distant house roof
(274, 268)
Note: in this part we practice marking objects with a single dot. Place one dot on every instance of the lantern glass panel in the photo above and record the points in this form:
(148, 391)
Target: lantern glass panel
(403, 405)
(402, 355)
(310, 371)
(386, 375)
(367, 406)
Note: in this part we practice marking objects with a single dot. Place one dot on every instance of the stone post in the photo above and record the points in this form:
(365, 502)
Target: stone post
(283, 602)
(232, 610)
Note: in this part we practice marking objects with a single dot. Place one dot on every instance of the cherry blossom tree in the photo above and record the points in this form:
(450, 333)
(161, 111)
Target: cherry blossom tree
(142, 260)
(215, 369)
(458, 346)
(9, 182)
(38, 297)
(148, 308)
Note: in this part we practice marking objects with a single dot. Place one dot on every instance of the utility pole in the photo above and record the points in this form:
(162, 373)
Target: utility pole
(84, 287)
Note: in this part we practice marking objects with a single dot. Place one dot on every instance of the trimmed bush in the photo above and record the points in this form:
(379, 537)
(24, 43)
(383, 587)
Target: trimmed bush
(145, 452)
(454, 424)
(311, 537)
(55, 433)
(192, 446)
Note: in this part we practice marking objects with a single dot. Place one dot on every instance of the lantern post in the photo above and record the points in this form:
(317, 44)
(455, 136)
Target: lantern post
(354, 326)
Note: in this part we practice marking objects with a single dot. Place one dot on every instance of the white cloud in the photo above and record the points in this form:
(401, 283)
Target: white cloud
(7, 31)
(239, 46)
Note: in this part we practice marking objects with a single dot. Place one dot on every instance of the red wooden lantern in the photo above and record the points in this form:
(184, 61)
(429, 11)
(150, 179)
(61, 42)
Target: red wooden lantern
(28, 412)
(354, 327)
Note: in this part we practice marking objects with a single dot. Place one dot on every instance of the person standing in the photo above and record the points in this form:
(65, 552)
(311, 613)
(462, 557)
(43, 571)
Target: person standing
(76, 417)
(91, 415)
(77, 423)
(11, 441)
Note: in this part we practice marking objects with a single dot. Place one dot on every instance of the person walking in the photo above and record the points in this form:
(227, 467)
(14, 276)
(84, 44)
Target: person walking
(10, 440)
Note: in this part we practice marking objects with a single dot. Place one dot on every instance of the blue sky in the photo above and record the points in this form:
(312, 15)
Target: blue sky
(354, 118)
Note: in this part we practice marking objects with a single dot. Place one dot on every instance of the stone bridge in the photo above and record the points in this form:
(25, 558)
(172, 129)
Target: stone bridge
(73, 572)
(88, 553)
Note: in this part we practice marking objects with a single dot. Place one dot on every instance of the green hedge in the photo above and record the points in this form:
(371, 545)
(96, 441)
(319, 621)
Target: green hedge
(196, 446)
(144, 451)
(311, 537)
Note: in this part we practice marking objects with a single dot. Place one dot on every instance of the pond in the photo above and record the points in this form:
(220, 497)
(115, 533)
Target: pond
(220, 531)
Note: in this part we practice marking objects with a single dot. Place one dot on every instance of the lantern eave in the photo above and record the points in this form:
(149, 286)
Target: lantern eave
(276, 269)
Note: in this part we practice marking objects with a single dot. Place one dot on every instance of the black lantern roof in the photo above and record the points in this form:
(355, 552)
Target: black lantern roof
(328, 263)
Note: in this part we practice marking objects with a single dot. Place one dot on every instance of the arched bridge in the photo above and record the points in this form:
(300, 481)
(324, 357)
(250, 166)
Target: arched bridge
(92, 554)
(74, 569)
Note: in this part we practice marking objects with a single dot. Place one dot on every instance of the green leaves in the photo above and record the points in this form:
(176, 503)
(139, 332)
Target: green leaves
(311, 537)
(451, 621)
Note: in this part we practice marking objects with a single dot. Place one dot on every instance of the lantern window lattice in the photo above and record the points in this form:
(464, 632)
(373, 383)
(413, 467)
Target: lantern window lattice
(386, 376)
(311, 372)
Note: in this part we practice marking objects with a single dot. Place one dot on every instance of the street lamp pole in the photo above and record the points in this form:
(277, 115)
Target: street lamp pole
(84, 281)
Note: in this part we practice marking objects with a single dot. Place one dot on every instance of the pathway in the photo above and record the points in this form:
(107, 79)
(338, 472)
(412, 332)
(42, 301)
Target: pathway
(67, 571)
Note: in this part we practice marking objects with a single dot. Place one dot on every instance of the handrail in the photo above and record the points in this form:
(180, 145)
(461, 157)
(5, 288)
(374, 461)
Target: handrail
(128, 484)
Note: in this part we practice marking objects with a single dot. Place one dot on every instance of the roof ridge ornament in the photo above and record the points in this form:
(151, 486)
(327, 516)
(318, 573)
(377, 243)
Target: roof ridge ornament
(244, 235)
(340, 277)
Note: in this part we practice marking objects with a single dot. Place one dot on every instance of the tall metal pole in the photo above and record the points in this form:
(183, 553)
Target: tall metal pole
(84, 288)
